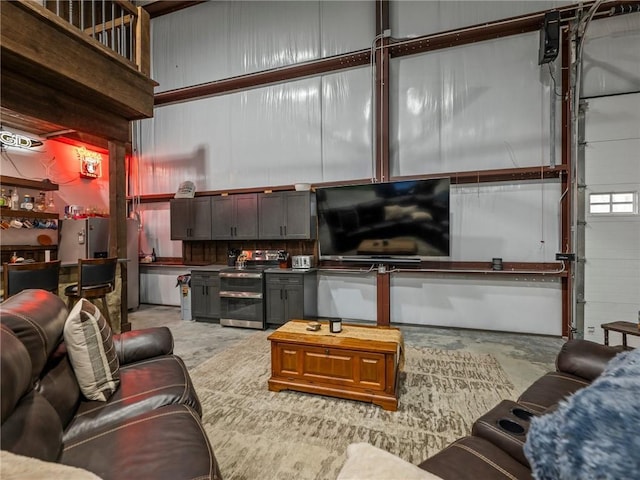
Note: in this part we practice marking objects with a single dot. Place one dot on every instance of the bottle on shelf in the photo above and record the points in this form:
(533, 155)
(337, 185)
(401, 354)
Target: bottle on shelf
(15, 199)
(153, 254)
(14, 258)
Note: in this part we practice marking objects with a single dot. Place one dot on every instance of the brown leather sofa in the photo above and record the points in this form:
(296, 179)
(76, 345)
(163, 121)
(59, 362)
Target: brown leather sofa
(494, 450)
(149, 428)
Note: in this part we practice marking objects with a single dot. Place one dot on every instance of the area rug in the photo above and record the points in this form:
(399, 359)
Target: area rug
(258, 434)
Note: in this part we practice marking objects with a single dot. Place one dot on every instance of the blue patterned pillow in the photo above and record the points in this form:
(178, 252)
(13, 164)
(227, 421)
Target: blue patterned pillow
(595, 433)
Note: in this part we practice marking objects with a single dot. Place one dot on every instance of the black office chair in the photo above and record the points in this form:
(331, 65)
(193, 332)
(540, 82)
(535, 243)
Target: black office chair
(96, 278)
(21, 276)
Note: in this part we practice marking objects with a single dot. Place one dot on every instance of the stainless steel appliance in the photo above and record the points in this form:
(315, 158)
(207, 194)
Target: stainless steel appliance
(242, 290)
(83, 238)
(302, 262)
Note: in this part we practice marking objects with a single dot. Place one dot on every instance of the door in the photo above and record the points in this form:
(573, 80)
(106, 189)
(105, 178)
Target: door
(180, 218)
(200, 218)
(294, 301)
(275, 303)
(246, 216)
(612, 231)
(222, 221)
(297, 211)
(271, 218)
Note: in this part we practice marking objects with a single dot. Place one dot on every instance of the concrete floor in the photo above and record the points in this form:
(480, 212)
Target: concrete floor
(524, 358)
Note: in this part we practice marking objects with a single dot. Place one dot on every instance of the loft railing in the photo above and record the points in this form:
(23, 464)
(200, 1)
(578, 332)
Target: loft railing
(117, 24)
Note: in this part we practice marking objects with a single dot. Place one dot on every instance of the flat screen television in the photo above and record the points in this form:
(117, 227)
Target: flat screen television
(407, 220)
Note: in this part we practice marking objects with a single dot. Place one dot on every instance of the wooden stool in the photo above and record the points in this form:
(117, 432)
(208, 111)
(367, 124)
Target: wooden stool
(96, 278)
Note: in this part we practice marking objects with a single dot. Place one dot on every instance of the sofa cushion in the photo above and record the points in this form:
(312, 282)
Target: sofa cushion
(548, 390)
(366, 462)
(87, 336)
(15, 370)
(144, 386)
(19, 467)
(475, 458)
(37, 318)
(167, 443)
(594, 433)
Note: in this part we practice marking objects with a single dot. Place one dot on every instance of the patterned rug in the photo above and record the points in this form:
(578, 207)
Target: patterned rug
(258, 434)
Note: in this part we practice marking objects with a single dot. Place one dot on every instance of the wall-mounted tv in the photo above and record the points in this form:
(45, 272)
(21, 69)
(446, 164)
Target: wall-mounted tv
(407, 219)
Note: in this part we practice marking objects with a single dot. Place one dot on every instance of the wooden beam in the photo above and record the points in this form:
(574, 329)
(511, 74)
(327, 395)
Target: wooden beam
(118, 224)
(28, 97)
(383, 299)
(39, 45)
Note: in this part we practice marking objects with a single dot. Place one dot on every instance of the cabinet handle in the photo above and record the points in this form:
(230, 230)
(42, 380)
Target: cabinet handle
(280, 294)
(286, 295)
(326, 351)
(285, 230)
(235, 231)
(280, 230)
(231, 231)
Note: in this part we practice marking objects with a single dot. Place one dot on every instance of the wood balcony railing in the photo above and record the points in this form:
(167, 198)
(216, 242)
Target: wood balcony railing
(117, 24)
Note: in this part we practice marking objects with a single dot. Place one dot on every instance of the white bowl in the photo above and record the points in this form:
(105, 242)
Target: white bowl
(302, 187)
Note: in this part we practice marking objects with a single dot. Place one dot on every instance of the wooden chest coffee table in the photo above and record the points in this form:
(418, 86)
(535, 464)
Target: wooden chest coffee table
(359, 363)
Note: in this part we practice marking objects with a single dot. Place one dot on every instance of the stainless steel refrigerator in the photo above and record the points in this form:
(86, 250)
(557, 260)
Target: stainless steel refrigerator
(89, 238)
(83, 238)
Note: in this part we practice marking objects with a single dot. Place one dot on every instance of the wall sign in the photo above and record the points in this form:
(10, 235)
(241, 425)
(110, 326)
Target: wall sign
(90, 163)
(9, 139)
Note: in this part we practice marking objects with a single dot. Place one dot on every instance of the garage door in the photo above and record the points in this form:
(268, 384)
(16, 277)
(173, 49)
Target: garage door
(612, 231)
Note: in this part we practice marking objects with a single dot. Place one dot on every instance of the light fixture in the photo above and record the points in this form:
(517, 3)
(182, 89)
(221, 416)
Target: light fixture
(9, 139)
(90, 163)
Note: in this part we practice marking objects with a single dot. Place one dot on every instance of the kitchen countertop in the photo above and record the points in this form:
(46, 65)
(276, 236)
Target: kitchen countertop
(182, 266)
(290, 270)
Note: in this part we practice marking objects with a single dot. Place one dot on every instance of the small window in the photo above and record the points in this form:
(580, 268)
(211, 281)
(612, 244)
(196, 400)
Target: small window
(614, 202)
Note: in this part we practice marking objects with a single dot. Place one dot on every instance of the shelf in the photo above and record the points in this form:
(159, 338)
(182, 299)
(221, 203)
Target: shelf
(44, 185)
(21, 248)
(6, 212)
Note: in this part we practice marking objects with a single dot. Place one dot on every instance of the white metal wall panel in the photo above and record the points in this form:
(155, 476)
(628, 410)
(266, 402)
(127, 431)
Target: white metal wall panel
(275, 134)
(158, 285)
(415, 18)
(346, 26)
(189, 47)
(612, 242)
(347, 295)
(216, 40)
(516, 222)
(523, 304)
(476, 107)
(612, 56)
(156, 225)
(346, 125)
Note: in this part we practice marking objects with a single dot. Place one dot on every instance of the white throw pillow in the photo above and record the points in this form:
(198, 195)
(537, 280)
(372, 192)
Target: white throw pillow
(93, 357)
(19, 467)
(366, 462)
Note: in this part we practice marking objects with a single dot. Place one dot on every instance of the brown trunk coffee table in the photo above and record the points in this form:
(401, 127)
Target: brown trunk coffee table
(359, 363)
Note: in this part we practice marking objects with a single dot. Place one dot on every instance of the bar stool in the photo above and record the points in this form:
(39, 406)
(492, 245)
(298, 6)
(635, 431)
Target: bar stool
(21, 276)
(96, 278)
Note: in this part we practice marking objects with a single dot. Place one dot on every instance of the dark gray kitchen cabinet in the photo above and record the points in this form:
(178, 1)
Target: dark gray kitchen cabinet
(235, 217)
(286, 215)
(291, 296)
(190, 218)
(205, 296)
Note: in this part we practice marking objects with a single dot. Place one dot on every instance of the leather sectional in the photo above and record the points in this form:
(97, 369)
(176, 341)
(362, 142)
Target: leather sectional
(149, 428)
(494, 450)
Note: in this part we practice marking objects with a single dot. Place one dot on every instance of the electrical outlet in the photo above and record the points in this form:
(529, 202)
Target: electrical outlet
(386, 33)
(591, 330)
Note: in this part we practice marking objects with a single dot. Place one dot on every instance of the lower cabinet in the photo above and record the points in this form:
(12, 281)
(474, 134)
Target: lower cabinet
(291, 296)
(205, 296)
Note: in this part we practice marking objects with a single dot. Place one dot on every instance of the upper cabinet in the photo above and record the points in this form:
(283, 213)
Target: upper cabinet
(191, 218)
(235, 217)
(286, 215)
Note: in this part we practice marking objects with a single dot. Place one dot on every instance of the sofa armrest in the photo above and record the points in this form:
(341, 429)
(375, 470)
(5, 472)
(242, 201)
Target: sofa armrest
(584, 359)
(139, 345)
